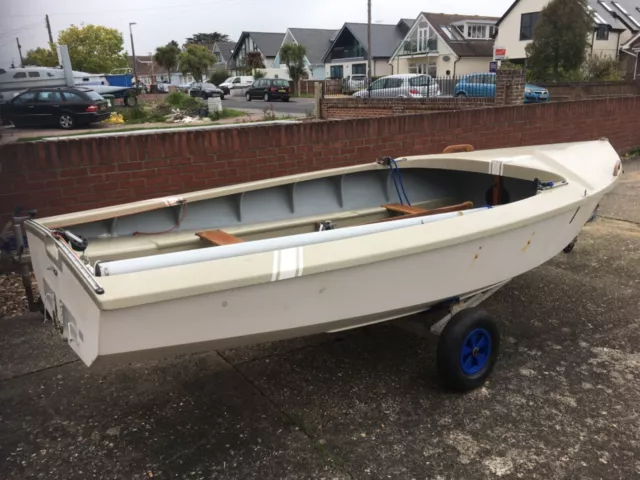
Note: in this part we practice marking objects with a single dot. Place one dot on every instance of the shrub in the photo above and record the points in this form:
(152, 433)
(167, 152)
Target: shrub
(134, 115)
(226, 113)
(183, 101)
(219, 76)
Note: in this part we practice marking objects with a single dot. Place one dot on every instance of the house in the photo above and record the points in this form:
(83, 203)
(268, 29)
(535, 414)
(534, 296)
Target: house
(349, 51)
(316, 42)
(441, 44)
(616, 23)
(150, 72)
(630, 57)
(268, 44)
(223, 52)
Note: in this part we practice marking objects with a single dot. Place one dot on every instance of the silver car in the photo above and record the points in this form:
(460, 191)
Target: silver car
(409, 85)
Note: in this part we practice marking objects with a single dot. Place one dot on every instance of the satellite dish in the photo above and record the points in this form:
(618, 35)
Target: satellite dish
(446, 58)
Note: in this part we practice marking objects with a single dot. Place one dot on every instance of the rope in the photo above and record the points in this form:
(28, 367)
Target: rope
(395, 184)
(399, 174)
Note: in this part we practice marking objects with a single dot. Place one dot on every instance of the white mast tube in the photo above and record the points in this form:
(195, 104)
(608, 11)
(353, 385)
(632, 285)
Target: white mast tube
(131, 265)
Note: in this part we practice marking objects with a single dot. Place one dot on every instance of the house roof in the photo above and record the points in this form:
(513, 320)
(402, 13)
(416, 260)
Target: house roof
(146, 66)
(267, 42)
(384, 38)
(226, 49)
(464, 47)
(316, 41)
(609, 12)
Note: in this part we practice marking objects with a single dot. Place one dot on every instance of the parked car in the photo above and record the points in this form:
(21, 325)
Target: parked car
(185, 87)
(269, 89)
(483, 85)
(353, 83)
(206, 90)
(163, 86)
(410, 85)
(235, 82)
(65, 107)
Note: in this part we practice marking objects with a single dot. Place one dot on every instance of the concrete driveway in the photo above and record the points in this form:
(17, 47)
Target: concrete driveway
(563, 402)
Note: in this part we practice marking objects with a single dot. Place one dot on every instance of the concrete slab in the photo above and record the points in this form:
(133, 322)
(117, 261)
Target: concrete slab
(562, 402)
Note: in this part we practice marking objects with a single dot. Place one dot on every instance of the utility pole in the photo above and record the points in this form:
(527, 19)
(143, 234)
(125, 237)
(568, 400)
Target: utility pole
(369, 48)
(20, 51)
(133, 53)
(46, 19)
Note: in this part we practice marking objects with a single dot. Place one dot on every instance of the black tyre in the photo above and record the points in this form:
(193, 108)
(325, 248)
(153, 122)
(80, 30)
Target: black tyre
(130, 101)
(285, 99)
(267, 97)
(66, 121)
(468, 350)
(461, 95)
(248, 97)
(222, 97)
(569, 248)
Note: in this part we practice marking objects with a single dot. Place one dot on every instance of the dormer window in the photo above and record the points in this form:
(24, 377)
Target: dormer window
(480, 32)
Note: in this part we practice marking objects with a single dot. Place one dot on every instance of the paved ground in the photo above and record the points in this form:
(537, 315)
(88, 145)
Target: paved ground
(563, 402)
(294, 107)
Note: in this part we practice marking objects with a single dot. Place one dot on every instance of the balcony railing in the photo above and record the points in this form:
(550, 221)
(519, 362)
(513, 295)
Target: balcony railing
(347, 52)
(414, 47)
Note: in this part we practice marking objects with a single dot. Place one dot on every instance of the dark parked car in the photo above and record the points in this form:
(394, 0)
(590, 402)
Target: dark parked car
(62, 106)
(206, 90)
(269, 89)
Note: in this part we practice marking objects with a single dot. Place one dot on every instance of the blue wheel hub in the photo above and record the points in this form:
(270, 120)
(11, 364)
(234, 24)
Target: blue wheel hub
(475, 352)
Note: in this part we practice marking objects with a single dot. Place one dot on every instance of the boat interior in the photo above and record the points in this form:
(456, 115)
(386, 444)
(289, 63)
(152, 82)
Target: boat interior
(333, 202)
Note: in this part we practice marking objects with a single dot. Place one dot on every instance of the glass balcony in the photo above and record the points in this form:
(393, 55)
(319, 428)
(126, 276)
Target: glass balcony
(414, 47)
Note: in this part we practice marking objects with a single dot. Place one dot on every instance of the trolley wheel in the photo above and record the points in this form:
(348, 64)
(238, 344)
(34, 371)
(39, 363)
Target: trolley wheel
(468, 349)
(569, 248)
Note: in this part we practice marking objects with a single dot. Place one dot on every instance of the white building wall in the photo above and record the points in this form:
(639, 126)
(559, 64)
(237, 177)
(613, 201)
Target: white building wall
(607, 48)
(509, 30)
(472, 65)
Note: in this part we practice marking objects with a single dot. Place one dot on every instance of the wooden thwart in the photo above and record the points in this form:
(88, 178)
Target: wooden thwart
(459, 148)
(406, 209)
(435, 211)
(218, 237)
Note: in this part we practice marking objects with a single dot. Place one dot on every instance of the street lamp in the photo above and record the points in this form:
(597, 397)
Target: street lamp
(133, 52)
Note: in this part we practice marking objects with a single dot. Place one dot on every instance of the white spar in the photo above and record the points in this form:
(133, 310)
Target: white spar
(131, 265)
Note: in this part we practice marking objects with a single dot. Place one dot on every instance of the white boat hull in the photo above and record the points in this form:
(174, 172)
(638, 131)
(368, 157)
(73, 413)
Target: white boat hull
(329, 301)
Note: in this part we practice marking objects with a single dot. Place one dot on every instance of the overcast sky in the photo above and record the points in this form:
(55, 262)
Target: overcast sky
(159, 21)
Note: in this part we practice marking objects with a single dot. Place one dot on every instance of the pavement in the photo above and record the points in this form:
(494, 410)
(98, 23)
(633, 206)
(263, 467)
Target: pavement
(562, 403)
(294, 107)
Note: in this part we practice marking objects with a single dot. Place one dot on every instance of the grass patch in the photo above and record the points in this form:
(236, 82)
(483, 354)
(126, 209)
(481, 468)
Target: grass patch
(226, 113)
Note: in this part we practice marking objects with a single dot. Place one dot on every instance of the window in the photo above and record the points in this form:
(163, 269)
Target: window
(2, 70)
(49, 97)
(94, 95)
(20, 75)
(394, 83)
(527, 22)
(49, 74)
(27, 97)
(281, 83)
(359, 69)
(477, 31)
(378, 84)
(602, 32)
(337, 71)
(73, 97)
(34, 74)
(421, 81)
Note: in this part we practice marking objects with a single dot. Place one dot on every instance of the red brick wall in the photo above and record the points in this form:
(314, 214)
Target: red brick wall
(70, 175)
(582, 90)
(350, 107)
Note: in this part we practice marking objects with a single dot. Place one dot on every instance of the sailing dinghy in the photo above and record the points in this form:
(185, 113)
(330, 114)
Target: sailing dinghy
(319, 252)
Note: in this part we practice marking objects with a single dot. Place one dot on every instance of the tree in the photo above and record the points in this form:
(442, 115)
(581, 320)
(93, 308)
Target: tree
(167, 56)
(94, 48)
(293, 56)
(42, 57)
(253, 61)
(219, 76)
(560, 39)
(207, 38)
(195, 59)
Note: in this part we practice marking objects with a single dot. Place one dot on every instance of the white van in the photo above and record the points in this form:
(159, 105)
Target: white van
(235, 82)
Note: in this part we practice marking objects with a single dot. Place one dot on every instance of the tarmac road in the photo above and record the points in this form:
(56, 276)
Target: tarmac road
(294, 107)
(365, 404)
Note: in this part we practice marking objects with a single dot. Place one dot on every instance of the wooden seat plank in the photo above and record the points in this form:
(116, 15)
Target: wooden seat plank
(435, 211)
(406, 209)
(219, 237)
